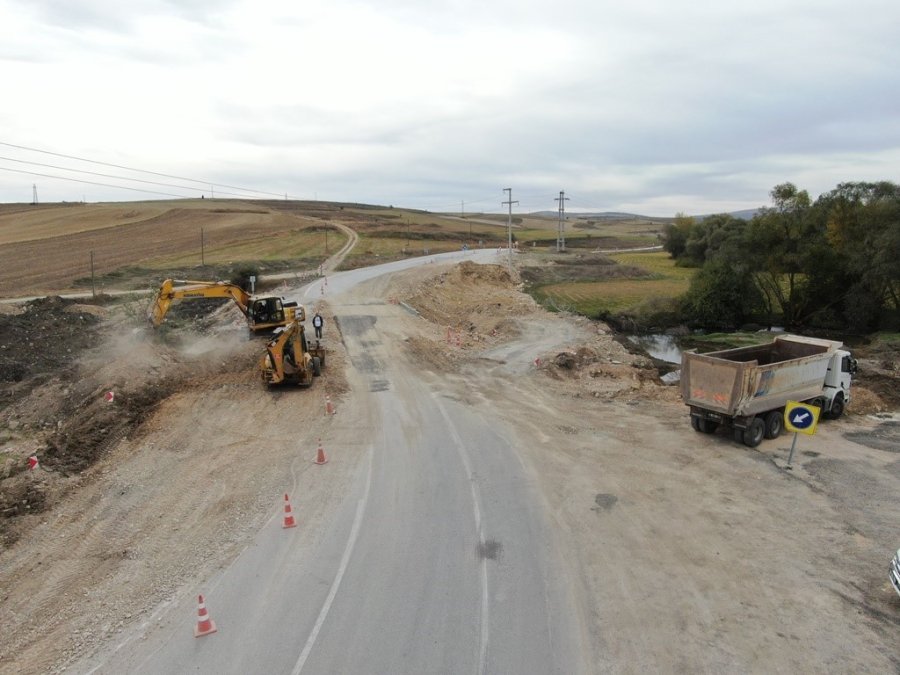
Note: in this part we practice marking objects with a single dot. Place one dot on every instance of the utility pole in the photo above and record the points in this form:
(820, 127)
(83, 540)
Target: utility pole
(34, 193)
(202, 249)
(462, 209)
(93, 286)
(561, 231)
(509, 202)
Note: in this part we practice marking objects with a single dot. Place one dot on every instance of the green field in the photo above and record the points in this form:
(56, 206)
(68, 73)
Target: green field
(590, 298)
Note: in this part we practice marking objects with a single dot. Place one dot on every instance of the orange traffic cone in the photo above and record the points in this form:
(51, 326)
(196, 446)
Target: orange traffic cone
(288, 516)
(329, 406)
(320, 455)
(205, 625)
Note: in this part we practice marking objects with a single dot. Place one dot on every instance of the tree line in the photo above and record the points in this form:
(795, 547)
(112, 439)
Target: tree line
(829, 263)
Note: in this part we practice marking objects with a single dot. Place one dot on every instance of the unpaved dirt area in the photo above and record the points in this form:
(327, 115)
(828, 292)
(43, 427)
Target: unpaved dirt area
(689, 553)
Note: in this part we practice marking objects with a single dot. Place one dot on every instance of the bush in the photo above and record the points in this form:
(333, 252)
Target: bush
(241, 276)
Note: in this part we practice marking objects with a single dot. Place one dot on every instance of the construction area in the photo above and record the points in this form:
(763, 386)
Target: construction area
(162, 454)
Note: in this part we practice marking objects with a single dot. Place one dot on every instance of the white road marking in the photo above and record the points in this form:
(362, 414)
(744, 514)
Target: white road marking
(342, 568)
(485, 607)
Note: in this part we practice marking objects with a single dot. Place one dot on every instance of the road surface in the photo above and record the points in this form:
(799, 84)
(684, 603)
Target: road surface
(440, 558)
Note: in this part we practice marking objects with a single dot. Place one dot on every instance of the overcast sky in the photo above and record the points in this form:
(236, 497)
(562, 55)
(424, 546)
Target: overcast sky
(647, 106)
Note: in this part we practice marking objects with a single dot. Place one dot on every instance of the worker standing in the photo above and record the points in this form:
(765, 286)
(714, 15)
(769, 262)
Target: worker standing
(318, 322)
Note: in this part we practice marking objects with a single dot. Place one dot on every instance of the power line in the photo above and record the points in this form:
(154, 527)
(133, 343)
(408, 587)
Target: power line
(107, 175)
(91, 182)
(129, 168)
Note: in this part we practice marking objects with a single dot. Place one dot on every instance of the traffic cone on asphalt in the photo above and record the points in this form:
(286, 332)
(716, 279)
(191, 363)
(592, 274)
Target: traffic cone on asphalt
(205, 625)
(320, 455)
(288, 516)
(329, 406)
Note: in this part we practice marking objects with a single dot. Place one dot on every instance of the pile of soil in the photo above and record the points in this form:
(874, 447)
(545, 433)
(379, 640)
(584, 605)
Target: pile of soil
(44, 338)
(477, 302)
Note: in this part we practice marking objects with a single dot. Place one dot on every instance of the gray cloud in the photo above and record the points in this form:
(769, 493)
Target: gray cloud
(653, 105)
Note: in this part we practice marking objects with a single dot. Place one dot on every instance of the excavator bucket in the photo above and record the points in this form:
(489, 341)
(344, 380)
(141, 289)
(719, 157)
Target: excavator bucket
(161, 303)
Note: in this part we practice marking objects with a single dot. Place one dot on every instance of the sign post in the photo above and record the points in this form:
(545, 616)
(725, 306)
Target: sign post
(800, 418)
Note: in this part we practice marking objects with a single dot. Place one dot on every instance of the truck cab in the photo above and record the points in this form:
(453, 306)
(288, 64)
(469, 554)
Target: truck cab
(836, 389)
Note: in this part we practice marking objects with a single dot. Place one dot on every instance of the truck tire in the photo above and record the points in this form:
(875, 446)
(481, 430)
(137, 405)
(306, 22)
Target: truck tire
(316, 366)
(837, 407)
(738, 435)
(703, 426)
(754, 432)
(774, 424)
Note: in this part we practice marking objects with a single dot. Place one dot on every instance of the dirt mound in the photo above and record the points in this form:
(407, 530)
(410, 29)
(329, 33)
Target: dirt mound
(44, 339)
(478, 303)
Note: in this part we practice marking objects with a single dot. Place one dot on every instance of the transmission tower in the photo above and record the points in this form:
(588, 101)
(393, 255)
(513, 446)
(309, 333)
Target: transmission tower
(510, 202)
(561, 230)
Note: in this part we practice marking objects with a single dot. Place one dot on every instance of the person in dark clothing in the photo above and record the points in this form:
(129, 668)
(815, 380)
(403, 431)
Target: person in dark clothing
(318, 322)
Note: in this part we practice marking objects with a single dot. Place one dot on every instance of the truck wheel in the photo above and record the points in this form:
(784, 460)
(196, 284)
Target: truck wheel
(703, 426)
(774, 424)
(754, 432)
(837, 407)
(738, 435)
(316, 366)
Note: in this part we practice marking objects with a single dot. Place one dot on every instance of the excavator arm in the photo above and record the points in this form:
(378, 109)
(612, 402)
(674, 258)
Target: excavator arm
(169, 292)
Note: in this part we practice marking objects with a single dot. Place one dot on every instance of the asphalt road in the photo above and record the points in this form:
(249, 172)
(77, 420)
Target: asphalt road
(440, 560)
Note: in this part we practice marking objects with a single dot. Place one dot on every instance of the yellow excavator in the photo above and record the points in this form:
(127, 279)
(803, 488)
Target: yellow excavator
(264, 314)
(290, 358)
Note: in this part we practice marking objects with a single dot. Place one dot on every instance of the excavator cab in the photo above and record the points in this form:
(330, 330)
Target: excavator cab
(267, 310)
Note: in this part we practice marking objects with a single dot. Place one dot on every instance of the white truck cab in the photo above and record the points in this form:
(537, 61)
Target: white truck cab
(836, 389)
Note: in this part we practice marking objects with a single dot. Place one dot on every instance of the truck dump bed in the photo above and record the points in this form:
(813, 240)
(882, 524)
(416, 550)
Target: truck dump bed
(750, 380)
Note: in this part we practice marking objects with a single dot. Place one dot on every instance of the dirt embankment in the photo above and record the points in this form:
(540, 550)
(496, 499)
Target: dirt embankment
(77, 378)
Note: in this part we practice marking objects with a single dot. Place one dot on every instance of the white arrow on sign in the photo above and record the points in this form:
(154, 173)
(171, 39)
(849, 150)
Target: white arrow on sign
(801, 417)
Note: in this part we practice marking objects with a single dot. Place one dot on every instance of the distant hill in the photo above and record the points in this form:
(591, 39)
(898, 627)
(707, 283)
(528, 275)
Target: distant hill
(745, 214)
(600, 215)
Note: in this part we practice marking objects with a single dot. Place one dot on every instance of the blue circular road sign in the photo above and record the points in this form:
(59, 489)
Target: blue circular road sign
(801, 417)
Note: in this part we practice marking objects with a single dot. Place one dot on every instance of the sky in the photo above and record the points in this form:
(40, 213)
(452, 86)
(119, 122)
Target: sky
(648, 106)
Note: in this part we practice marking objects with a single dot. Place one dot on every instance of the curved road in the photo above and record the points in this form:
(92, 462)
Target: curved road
(440, 559)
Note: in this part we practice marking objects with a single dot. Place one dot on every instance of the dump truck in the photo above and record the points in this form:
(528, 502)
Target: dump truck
(263, 313)
(747, 388)
(290, 358)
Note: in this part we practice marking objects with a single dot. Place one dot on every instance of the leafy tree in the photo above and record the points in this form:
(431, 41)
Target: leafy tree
(863, 227)
(722, 295)
(783, 242)
(675, 235)
(714, 235)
